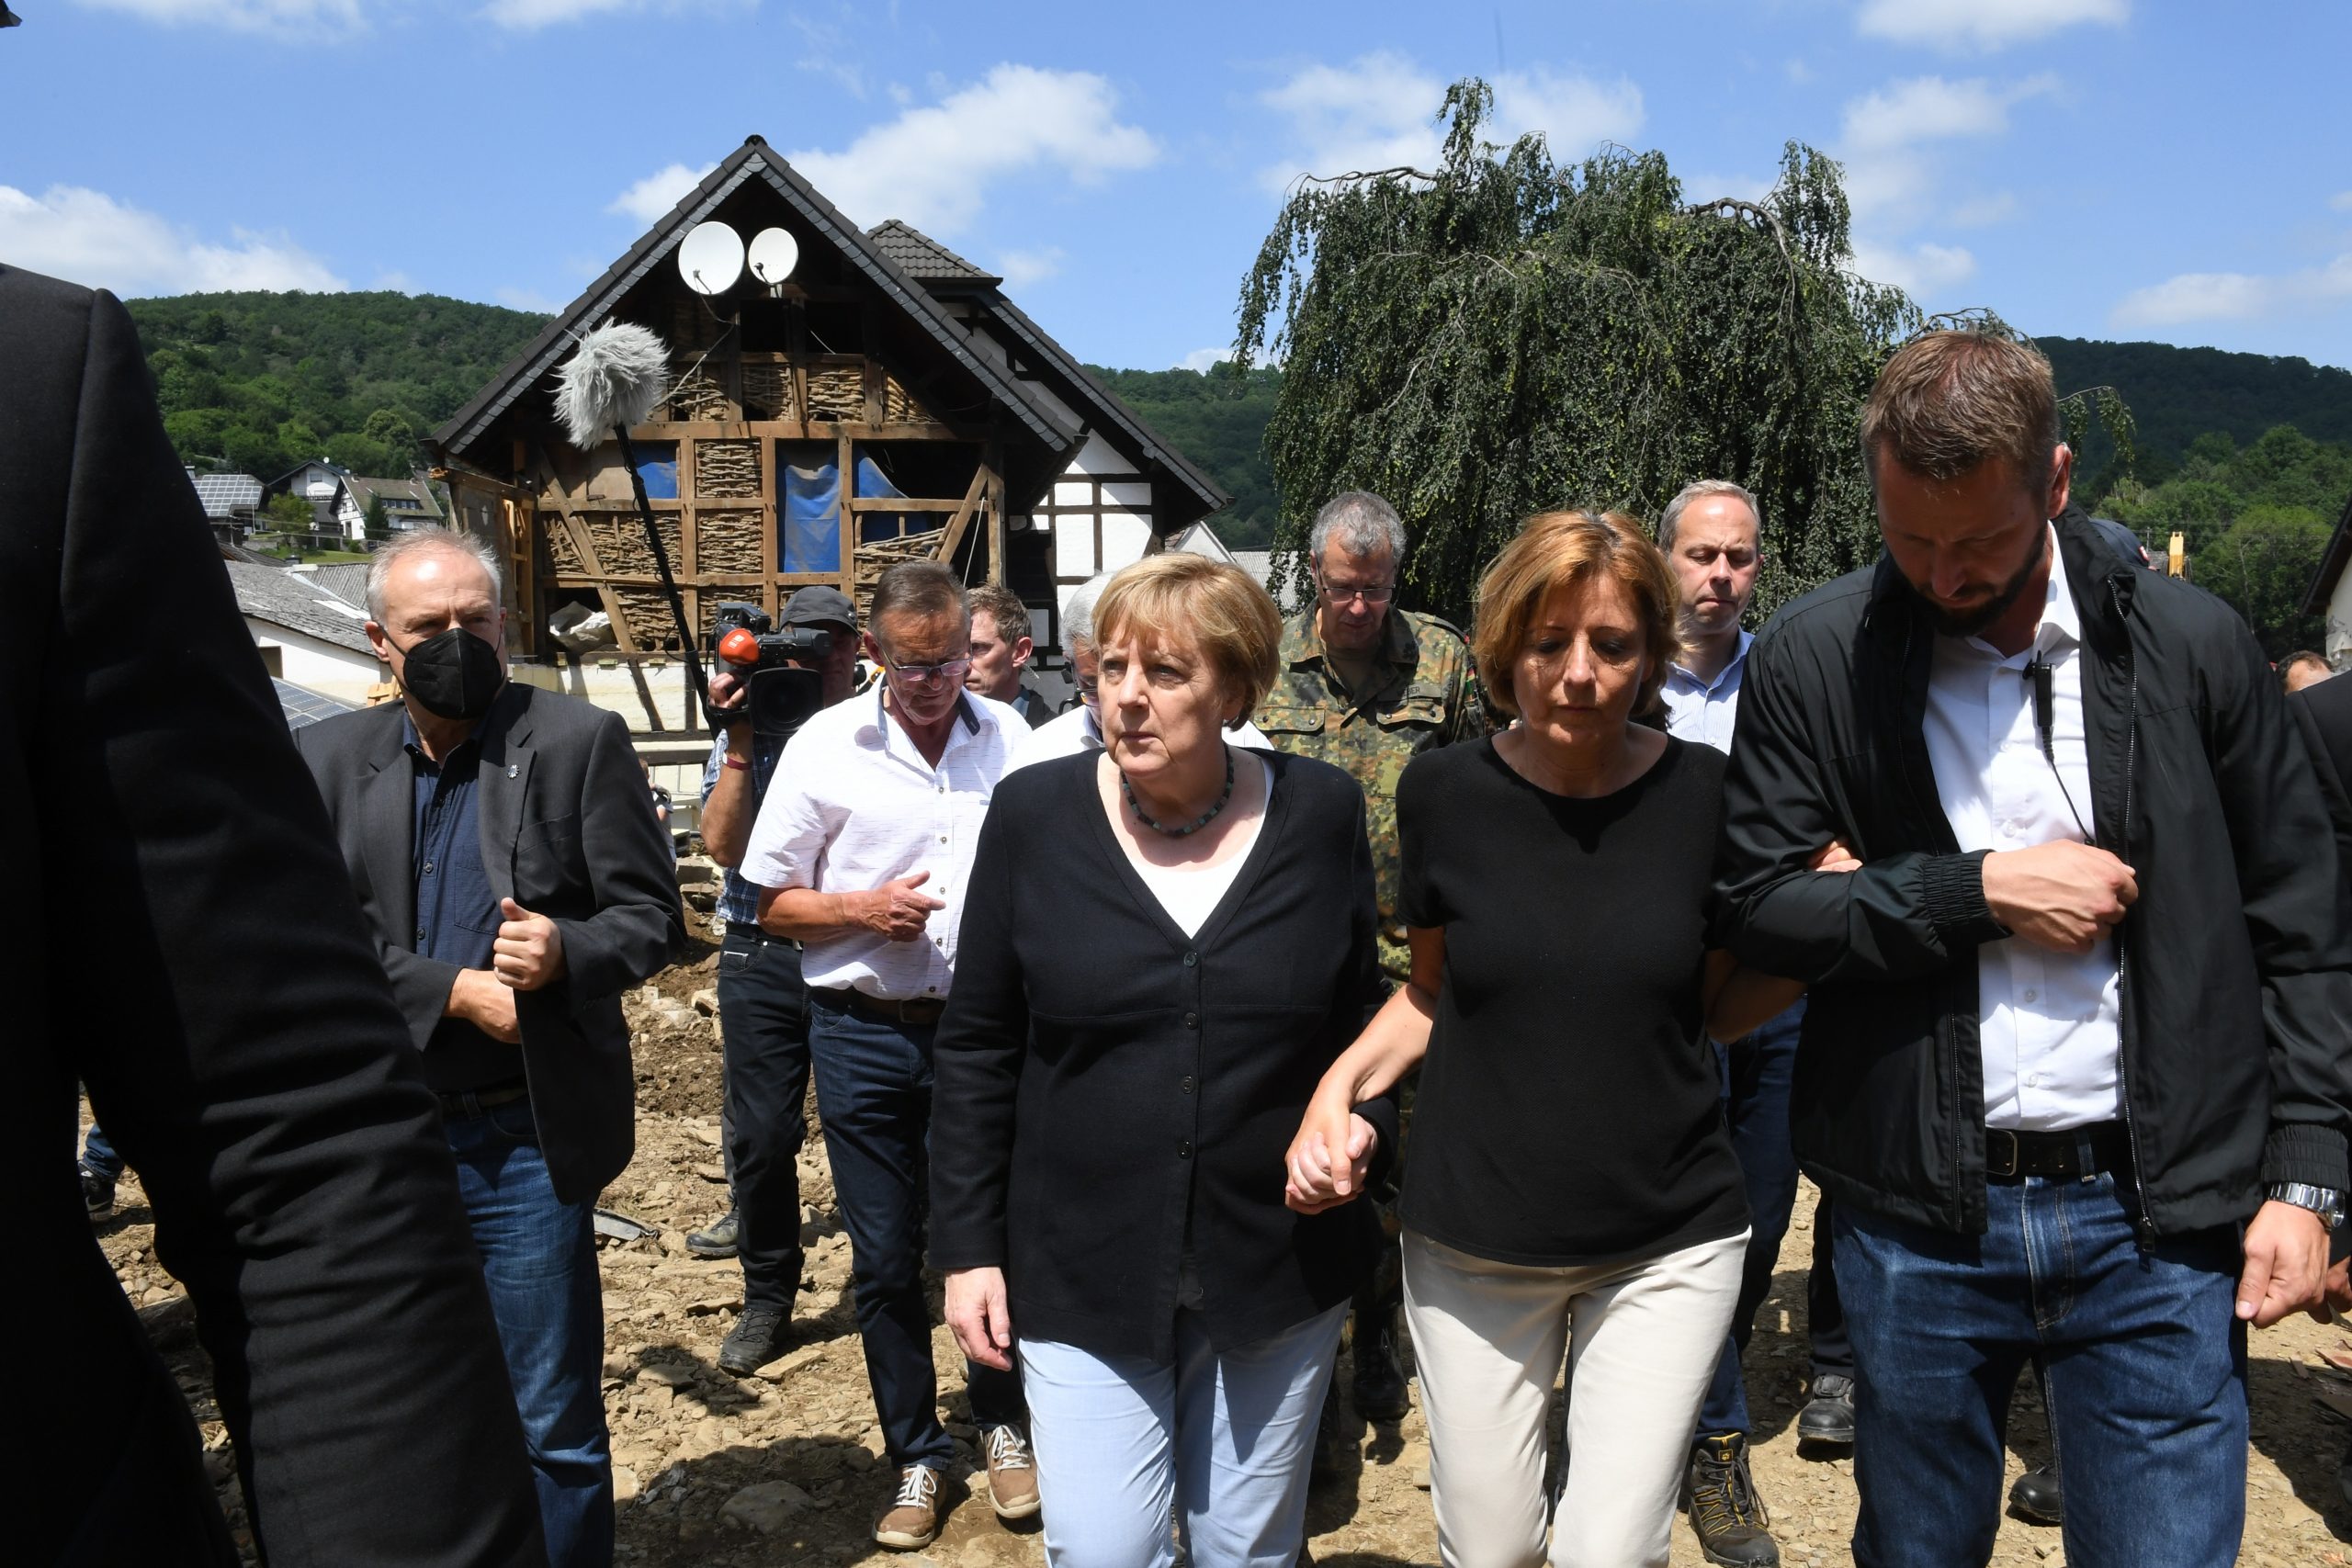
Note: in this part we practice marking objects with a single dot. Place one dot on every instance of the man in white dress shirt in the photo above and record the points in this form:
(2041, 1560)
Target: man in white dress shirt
(861, 852)
(1713, 537)
(2074, 1064)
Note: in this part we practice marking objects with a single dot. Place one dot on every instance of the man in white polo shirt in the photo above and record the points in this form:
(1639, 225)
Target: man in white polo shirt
(861, 853)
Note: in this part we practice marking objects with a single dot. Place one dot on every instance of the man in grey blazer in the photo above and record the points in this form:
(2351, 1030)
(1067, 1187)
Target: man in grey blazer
(509, 865)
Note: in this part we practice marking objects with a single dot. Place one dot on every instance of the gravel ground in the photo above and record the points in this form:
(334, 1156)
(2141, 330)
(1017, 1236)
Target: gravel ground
(784, 1468)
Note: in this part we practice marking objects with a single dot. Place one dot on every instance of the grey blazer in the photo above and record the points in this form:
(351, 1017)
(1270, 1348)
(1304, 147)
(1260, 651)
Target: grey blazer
(568, 831)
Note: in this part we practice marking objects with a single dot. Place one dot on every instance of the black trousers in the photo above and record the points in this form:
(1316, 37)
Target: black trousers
(763, 1022)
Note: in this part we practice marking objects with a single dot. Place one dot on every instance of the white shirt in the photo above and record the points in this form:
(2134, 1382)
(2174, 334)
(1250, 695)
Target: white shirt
(2050, 1025)
(1190, 894)
(1066, 734)
(1705, 711)
(855, 805)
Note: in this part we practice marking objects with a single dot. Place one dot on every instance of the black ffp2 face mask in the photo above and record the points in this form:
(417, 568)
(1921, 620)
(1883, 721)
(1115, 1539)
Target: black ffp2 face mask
(454, 674)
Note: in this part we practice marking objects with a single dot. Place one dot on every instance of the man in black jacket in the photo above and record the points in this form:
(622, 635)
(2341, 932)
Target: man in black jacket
(2075, 1068)
(181, 929)
(510, 866)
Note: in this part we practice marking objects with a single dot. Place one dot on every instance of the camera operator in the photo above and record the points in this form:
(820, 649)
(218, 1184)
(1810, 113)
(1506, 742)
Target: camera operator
(762, 1010)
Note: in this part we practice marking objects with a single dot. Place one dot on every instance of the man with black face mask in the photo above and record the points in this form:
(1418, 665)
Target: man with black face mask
(508, 860)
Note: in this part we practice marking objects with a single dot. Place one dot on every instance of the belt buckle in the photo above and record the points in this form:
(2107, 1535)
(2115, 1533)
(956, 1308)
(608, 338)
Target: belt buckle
(1995, 1138)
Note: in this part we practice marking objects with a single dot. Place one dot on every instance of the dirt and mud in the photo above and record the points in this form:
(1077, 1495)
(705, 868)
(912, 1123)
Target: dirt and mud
(783, 1466)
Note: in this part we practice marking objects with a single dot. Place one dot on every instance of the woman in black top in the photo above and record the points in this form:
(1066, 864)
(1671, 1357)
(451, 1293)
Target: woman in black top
(1164, 946)
(1572, 1186)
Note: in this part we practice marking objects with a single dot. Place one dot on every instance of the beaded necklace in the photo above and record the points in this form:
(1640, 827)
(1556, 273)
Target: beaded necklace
(1202, 821)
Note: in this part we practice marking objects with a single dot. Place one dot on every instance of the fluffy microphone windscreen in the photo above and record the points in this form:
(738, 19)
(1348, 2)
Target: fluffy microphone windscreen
(616, 376)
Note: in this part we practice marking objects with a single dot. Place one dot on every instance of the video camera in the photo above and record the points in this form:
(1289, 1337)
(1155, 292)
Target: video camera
(779, 692)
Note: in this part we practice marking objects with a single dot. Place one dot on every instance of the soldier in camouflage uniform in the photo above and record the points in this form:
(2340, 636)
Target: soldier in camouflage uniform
(1368, 687)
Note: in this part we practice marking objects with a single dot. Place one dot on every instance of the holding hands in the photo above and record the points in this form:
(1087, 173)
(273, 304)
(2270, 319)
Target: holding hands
(1328, 1159)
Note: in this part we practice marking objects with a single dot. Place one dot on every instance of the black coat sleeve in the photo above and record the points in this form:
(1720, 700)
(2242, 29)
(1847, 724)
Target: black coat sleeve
(980, 1050)
(249, 1061)
(1902, 915)
(1368, 986)
(2296, 913)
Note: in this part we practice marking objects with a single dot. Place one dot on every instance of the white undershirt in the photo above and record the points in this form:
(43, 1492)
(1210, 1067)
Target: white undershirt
(2050, 1025)
(1190, 893)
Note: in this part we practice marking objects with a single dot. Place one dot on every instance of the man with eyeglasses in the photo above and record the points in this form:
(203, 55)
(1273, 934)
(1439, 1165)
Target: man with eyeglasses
(861, 853)
(1367, 687)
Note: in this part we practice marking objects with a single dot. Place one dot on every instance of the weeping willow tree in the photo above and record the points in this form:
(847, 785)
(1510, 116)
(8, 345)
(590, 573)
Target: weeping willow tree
(1500, 335)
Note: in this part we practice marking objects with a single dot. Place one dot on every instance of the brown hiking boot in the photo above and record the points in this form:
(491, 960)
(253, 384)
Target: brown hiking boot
(1012, 1474)
(911, 1521)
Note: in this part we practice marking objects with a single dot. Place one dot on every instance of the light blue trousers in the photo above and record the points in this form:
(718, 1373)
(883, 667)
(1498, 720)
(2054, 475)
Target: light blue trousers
(1220, 1440)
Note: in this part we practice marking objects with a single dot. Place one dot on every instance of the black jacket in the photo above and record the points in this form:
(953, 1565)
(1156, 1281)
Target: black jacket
(1108, 1087)
(2324, 713)
(2236, 1065)
(567, 831)
(182, 939)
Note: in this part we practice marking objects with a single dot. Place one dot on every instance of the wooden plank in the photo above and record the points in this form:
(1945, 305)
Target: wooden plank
(905, 504)
(845, 471)
(771, 528)
(806, 430)
(953, 534)
(999, 526)
(686, 594)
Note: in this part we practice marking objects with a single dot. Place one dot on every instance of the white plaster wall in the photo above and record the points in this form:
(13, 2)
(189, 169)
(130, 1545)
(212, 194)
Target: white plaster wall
(1126, 537)
(2339, 621)
(1098, 456)
(329, 671)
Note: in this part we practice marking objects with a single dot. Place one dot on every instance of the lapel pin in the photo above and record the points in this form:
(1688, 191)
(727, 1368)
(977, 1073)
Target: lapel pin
(512, 769)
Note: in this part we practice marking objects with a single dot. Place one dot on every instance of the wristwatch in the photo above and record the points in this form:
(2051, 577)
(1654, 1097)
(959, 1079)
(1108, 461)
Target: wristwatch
(2325, 1201)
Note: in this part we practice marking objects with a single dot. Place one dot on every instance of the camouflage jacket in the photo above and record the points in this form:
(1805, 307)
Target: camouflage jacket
(1425, 696)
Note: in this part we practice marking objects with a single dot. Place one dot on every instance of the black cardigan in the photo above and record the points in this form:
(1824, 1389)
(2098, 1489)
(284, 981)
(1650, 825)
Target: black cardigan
(1106, 1086)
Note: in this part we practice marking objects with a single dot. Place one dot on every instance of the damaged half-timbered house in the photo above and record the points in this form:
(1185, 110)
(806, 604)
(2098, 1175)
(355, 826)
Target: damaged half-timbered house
(885, 401)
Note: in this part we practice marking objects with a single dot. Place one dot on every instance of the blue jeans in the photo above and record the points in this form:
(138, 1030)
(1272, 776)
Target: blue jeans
(98, 1153)
(539, 1258)
(2145, 1368)
(1757, 1071)
(1221, 1438)
(874, 1101)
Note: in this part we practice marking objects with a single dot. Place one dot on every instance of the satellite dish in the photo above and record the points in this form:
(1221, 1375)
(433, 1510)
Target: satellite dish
(775, 252)
(711, 258)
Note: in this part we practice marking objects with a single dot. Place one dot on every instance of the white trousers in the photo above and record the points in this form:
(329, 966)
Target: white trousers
(1640, 1341)
(1220, 1439)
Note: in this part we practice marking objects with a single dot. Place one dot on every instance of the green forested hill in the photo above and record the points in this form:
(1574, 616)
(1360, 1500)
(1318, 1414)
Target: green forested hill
(1219, 422)
(258, 382)
(255, 383)
(2180, 394)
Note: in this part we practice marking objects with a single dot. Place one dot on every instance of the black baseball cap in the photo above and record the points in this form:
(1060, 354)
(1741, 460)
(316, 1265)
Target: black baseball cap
(819, 607)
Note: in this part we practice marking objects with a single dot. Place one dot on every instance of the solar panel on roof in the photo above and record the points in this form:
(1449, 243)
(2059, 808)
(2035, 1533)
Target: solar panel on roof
(302, 705)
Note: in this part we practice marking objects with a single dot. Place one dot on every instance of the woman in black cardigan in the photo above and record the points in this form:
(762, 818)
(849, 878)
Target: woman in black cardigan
(1164, 946)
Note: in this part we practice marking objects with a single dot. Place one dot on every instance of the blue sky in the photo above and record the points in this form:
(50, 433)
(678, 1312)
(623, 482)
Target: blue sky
(2097, 168)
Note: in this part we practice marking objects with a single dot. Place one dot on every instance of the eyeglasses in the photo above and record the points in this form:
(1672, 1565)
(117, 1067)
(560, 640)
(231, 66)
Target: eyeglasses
(1379, 594)
(1089, 688)
(930, 674)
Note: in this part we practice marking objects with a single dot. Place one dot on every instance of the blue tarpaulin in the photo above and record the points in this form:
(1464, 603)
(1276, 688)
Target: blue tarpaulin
(810, 527)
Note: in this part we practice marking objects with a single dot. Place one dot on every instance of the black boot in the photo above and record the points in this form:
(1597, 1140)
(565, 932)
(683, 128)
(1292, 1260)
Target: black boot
(2035, 1498)
(1727, 1515)
(1379, 1385)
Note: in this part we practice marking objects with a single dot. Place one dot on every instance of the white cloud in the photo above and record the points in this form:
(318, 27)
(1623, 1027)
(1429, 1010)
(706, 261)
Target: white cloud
(1020, 269)
(1378, 112)
(2341, 201)
(2236, 295)
(1929, 108)
(309, 17)
(90, 238)
(1981, 24)
(1201, 361)
(652, 197)
(1918, 270)
(932, 165)
(830, 45)
(1984, 210)
(529, 16)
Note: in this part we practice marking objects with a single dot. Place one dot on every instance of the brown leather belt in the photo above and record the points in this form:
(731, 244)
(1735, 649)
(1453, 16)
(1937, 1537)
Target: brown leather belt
(919, 1011)
(2012, 1155)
